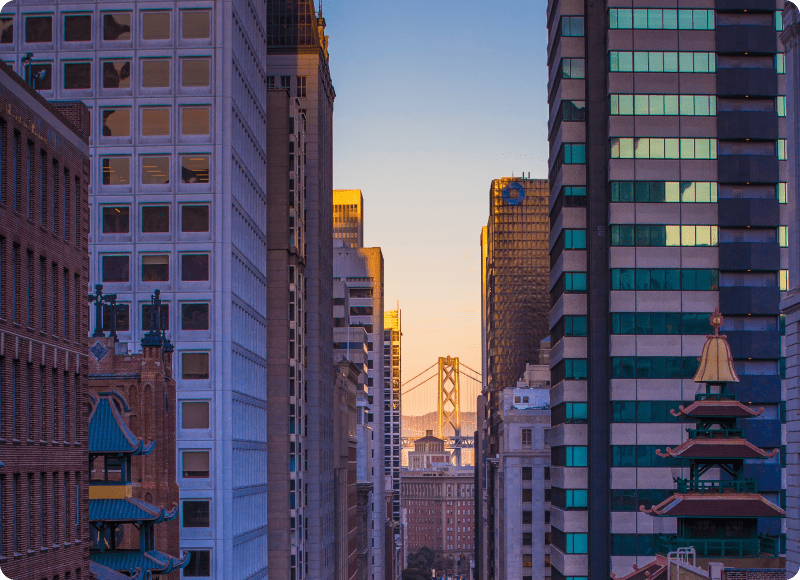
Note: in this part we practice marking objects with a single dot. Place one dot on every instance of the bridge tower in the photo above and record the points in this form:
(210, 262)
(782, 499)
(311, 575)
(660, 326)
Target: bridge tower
(448, 410)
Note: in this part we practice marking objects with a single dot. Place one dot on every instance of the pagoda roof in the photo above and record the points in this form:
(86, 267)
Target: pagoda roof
(717, 448)
(716, 505)
(129, 510)
(104, 573)
(131, 560)
(108, 432)
(713, 408)
(655, 570)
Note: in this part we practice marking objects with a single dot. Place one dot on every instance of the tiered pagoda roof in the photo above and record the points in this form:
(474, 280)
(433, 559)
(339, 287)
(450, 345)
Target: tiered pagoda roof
(129, 510)
(716, 505)
(108, 432)
(717, 448)
(151, 562)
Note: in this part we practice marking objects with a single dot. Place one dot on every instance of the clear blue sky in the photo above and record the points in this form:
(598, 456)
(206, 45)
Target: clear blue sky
(434, 100)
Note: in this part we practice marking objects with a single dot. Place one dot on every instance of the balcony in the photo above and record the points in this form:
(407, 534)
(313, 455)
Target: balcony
(753, 300)
(716, 486)
(746, 125)
(746, 39)
(728, 548)
(743, 256)
(740, 213)
(747, 82)
(748, 169)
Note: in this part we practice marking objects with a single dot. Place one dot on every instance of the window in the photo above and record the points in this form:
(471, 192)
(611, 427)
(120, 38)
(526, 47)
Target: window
(194, 218)
(195, 72)
(38, 29)
(194, 168)
(577, 543)
(655, 367)
(572, 26)
(569, 456)
(194, 414)
(573, 68)
(116, 170)
(6, 30)
(116, 122)
(116, 220)
(574, 282)
(77, 27)
(195, 120)
(527, 517)
(644, 411)
(573, 110)
(570, 499)
(271, 82)
(660, 19)
(780, 63)
(194, 316)
(194, 267)
(664, 191)
(199, 564)
(77, 75)
(780, 149)
(527, 437)
(196, 513)
(527, 495)
(155, 25)
(194, 365)
(117, 26)
(664, 279)
(659, 148)
(574, 153)
(116, 74)
(783, 236)
(155, 219)
(527, 473)
(42, 76)
(685, 62)
(147, 309)
(123, 318)
(570, 413)
(301, 87)
(196, 24)
(155, 170)
(527, 560)
(195, 464)
(155, 121)
(116, 268)
(155, 268)
(286, 82)
(527, 539)
(660, 322)
(660, 105)
(155, 72)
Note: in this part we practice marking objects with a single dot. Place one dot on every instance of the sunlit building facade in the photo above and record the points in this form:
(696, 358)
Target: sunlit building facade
(667, 177)
(177, 202)
(348, 217)
(391, 395)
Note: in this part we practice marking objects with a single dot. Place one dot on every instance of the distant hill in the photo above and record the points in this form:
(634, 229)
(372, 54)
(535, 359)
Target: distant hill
(416, 425)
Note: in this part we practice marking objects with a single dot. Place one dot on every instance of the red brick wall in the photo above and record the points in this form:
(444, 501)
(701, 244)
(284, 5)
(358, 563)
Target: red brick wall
(43, 361)
(729, 574)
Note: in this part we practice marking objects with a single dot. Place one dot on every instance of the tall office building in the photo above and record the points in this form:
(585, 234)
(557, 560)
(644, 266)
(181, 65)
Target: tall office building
(297, 60)
(348, 217)
(361, 269)
(667, 185)
(391, 395)
(177, 95)
(44, 175)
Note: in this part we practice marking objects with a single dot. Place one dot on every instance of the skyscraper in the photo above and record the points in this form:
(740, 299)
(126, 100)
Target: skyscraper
(297, 60)
(391, 393)
(177, 95)
(666, 176)
(348, 217)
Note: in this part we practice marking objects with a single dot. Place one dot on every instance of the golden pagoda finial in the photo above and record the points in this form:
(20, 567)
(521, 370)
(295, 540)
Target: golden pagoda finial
(716, 362)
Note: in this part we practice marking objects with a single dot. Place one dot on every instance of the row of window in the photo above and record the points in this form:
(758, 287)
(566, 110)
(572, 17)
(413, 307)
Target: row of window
(660, 19)
(643, 235)
(569, 499)
(194, 316)
(46, 296)
(36, 186)
(39, 511)
(653, 367)
(663, 148)
(570, 543)
(155, 169)
(43, 404)
(116, 26)
(154, 219)
(155, 268)
(658, 61)
(664, 279)
(658, 323)
(155, 121)
(642, 456)
(664, 191)
(664, 105)
(644, 411)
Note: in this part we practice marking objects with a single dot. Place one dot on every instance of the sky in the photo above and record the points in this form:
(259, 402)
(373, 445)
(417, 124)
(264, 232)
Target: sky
(433, 101)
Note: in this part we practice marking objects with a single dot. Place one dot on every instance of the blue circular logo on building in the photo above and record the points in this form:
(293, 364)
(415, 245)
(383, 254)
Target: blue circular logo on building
(513, 193)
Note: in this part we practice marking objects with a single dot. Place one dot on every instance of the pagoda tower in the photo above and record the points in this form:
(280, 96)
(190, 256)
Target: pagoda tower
(121, 527)
(717, 517)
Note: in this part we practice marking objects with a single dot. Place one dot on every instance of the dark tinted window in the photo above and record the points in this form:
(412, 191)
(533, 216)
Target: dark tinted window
(155, 268)
(41, 76)
(117, 26)
(194, 267)
(123, 317)
(199, 564)
(116, 122)
(39, 29)
(77, 75)
(116, 268)
(116, 220)
(77, 28)
(194, 366)
(117, 74)
(196, 514)
(194, 316)
(196, 24)
(194, 218)
(6, 30)
(155, 219)
(147, 309)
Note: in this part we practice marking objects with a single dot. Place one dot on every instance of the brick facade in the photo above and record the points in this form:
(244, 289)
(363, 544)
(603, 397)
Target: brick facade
(44, 267)
(145, 380)
(733, 574)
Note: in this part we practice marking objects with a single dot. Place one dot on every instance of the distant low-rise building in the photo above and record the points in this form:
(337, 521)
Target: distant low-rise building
(429, 452)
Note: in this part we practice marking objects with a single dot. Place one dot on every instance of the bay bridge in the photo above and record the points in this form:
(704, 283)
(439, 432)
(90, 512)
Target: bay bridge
(451, 388)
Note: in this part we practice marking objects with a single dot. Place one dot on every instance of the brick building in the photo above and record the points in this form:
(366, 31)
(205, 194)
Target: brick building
(44, 267)
(146, 382)
(438, 511)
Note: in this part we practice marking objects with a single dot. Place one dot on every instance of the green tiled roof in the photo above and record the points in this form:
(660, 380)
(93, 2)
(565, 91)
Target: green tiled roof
(108, 433)
(128, 510)
(103, 573)
(130, 560)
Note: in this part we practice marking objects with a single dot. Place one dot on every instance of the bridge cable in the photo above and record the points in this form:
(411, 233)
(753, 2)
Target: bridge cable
(420, 374)
(419, 385)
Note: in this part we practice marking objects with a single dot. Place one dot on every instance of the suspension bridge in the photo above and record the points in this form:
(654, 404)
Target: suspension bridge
(450, 389)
